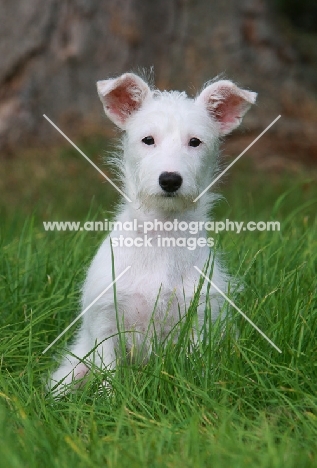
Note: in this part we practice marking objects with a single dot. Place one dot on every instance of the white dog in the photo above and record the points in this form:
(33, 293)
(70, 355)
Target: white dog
(169, 156)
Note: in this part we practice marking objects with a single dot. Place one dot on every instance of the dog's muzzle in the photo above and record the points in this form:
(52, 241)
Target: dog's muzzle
(170, 181)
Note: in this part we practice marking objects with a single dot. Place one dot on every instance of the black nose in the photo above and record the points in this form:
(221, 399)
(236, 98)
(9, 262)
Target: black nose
(170, 181)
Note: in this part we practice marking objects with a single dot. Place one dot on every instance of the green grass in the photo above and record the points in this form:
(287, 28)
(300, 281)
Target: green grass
(236, 403)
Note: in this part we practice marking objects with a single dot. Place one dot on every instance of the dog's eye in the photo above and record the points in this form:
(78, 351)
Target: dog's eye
(194, 142)
(149, 140)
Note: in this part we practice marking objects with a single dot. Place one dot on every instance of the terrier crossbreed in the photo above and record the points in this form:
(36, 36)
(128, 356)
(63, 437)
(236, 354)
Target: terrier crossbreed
(169, 156)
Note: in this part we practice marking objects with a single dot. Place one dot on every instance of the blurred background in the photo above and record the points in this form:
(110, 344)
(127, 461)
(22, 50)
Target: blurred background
(53, 52)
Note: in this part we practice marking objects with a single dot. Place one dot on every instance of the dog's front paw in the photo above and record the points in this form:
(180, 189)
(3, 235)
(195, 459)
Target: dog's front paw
(67, 378)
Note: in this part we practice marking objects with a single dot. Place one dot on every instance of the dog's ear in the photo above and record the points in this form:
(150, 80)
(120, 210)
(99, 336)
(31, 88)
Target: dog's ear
(122, 96)
(226, 104)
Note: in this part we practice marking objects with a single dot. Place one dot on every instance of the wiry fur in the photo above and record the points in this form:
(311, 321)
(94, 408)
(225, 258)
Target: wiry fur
(160, 277)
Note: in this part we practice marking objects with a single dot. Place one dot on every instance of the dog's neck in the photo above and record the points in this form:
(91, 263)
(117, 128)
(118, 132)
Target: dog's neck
(139, 218)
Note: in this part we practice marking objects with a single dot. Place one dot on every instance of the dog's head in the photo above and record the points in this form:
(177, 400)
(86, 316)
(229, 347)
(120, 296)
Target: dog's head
(171, 141)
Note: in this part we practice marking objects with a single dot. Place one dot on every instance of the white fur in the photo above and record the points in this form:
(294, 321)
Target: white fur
(160, 277)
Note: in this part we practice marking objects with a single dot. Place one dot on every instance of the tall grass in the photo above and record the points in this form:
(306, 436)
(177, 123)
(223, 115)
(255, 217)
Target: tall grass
(229, 402)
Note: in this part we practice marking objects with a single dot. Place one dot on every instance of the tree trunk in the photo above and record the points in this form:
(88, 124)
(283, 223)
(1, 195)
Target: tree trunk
(53, 52)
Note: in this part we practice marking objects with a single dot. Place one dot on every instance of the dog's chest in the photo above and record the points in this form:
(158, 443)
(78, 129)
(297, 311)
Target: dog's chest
(158, 287)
